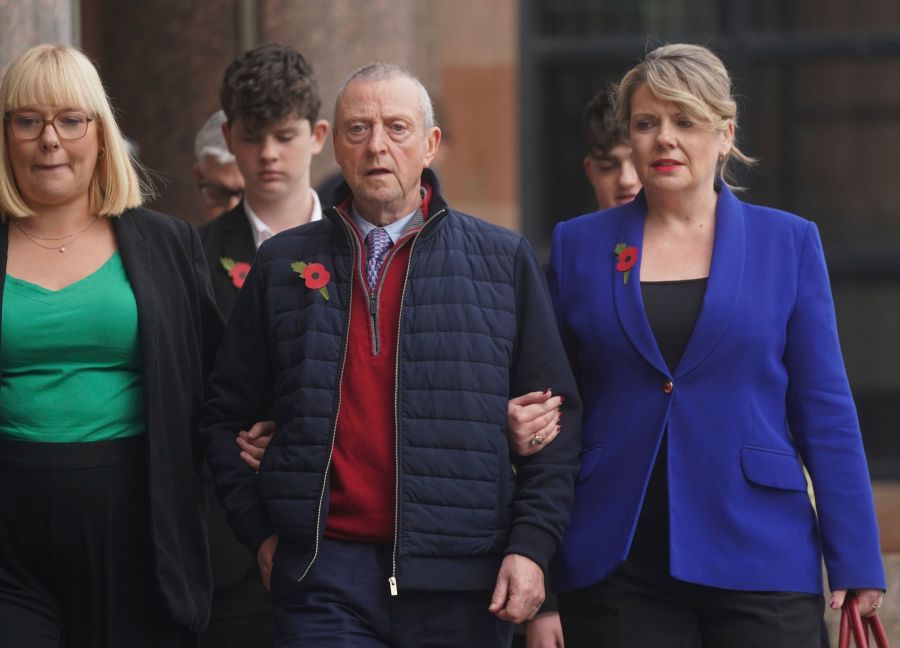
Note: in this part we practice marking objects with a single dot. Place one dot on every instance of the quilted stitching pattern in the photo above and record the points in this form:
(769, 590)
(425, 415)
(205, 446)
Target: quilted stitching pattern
(458, 334)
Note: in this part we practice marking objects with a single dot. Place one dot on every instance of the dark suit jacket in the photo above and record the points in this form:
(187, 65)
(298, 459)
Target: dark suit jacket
(229, 236)
(179, 328)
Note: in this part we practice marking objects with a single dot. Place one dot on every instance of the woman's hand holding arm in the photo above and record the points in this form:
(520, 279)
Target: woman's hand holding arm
(531, 417)
(253, 442)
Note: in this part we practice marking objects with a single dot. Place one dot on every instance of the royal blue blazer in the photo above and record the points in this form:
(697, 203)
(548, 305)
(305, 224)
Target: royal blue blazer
(760, 388)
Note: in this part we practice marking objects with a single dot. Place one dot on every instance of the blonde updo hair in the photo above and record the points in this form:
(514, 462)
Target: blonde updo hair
(60, 75)
(693, 78)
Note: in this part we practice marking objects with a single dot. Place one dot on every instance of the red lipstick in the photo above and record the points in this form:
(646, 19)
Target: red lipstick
(666, 165)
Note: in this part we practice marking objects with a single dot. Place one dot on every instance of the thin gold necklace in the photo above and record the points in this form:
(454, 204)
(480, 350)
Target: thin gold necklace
(68, 238)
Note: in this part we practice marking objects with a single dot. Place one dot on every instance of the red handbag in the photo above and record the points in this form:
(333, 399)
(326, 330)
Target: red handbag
(852, 624)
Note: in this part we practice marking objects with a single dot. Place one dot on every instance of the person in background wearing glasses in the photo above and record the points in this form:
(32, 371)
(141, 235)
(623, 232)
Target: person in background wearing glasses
(270, 97)
(219, 180)
(108, 327)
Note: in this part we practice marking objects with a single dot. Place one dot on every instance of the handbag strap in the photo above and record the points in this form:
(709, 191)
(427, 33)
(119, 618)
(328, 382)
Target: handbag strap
(875, 625)
(852, 624)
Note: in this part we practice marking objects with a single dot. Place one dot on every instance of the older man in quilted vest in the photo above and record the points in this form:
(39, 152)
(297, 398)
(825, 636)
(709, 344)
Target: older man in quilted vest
(385, 342)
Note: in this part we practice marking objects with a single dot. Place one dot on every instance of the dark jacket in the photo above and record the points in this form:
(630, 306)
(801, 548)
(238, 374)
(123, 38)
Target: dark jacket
(228, 236)
(476, 327)
(179, 328)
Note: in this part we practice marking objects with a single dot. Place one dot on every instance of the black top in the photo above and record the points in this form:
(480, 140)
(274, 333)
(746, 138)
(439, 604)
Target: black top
(672, 309)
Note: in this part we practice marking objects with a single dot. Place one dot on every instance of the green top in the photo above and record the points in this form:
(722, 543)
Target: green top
(70, 363)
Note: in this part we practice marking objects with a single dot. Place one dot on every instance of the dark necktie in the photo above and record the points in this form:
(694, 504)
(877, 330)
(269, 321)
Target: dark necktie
(378, 242)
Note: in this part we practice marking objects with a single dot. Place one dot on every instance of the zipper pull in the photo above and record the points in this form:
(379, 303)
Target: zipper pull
(392, 582)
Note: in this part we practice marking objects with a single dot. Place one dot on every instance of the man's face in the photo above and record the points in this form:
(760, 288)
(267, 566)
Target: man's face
(381, 144)
(221, 186)
(611, 174)
(275, 159)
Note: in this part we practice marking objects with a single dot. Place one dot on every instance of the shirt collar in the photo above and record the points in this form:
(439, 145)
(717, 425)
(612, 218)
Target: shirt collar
(395, 230)
(262, 232)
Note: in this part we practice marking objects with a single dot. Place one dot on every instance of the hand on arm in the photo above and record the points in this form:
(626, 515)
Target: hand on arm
(519, 591)
(239, 392)
(253, 442)
(530, 417)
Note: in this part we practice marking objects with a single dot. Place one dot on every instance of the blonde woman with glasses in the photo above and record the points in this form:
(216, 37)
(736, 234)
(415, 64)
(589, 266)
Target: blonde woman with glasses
(107, 324)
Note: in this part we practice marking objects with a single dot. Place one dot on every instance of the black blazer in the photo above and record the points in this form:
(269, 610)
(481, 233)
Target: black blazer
(231, 236)
(228, 235)
(179, 328)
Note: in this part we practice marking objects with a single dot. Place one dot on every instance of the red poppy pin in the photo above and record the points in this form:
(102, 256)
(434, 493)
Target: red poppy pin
(315, 275)
(626, 256)
(237, 270)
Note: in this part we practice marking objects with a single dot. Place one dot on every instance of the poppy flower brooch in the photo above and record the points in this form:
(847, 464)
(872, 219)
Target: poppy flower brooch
(315, 276)
(237, 270)
(626, 257)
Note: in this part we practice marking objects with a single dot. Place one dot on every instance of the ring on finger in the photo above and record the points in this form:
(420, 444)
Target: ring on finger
(537, 440)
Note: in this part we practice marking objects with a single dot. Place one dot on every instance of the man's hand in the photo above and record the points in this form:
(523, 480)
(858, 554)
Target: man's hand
(544, 631)
(264, 558)
(532, 421)
(519, 591)
(253, 442)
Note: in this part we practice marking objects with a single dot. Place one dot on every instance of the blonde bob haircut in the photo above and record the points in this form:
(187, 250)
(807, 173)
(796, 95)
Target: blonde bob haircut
(693, 78)
(59, 75)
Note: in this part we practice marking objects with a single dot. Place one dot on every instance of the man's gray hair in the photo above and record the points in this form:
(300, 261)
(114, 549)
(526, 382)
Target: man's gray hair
(386, 72)
(210, 142)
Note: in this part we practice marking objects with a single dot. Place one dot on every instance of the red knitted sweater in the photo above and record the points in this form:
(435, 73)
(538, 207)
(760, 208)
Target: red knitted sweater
(363, 472)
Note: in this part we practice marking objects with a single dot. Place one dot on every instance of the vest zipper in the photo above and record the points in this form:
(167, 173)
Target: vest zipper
(336, 414)
(392, 581)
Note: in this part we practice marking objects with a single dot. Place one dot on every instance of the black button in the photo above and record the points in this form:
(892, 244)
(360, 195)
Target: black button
(668, 386)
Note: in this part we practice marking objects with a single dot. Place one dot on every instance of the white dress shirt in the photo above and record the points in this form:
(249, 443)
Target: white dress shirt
(262, 232)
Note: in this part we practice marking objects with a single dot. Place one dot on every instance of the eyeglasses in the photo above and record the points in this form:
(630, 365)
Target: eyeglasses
(69, 125)
(214, 195)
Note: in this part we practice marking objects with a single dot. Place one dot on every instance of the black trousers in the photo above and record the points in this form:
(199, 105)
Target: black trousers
(241, 615)
(638, 605)
(76, 555)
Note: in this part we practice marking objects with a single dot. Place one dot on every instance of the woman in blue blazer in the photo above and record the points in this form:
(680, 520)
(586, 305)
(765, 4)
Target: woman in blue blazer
(702, 333)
